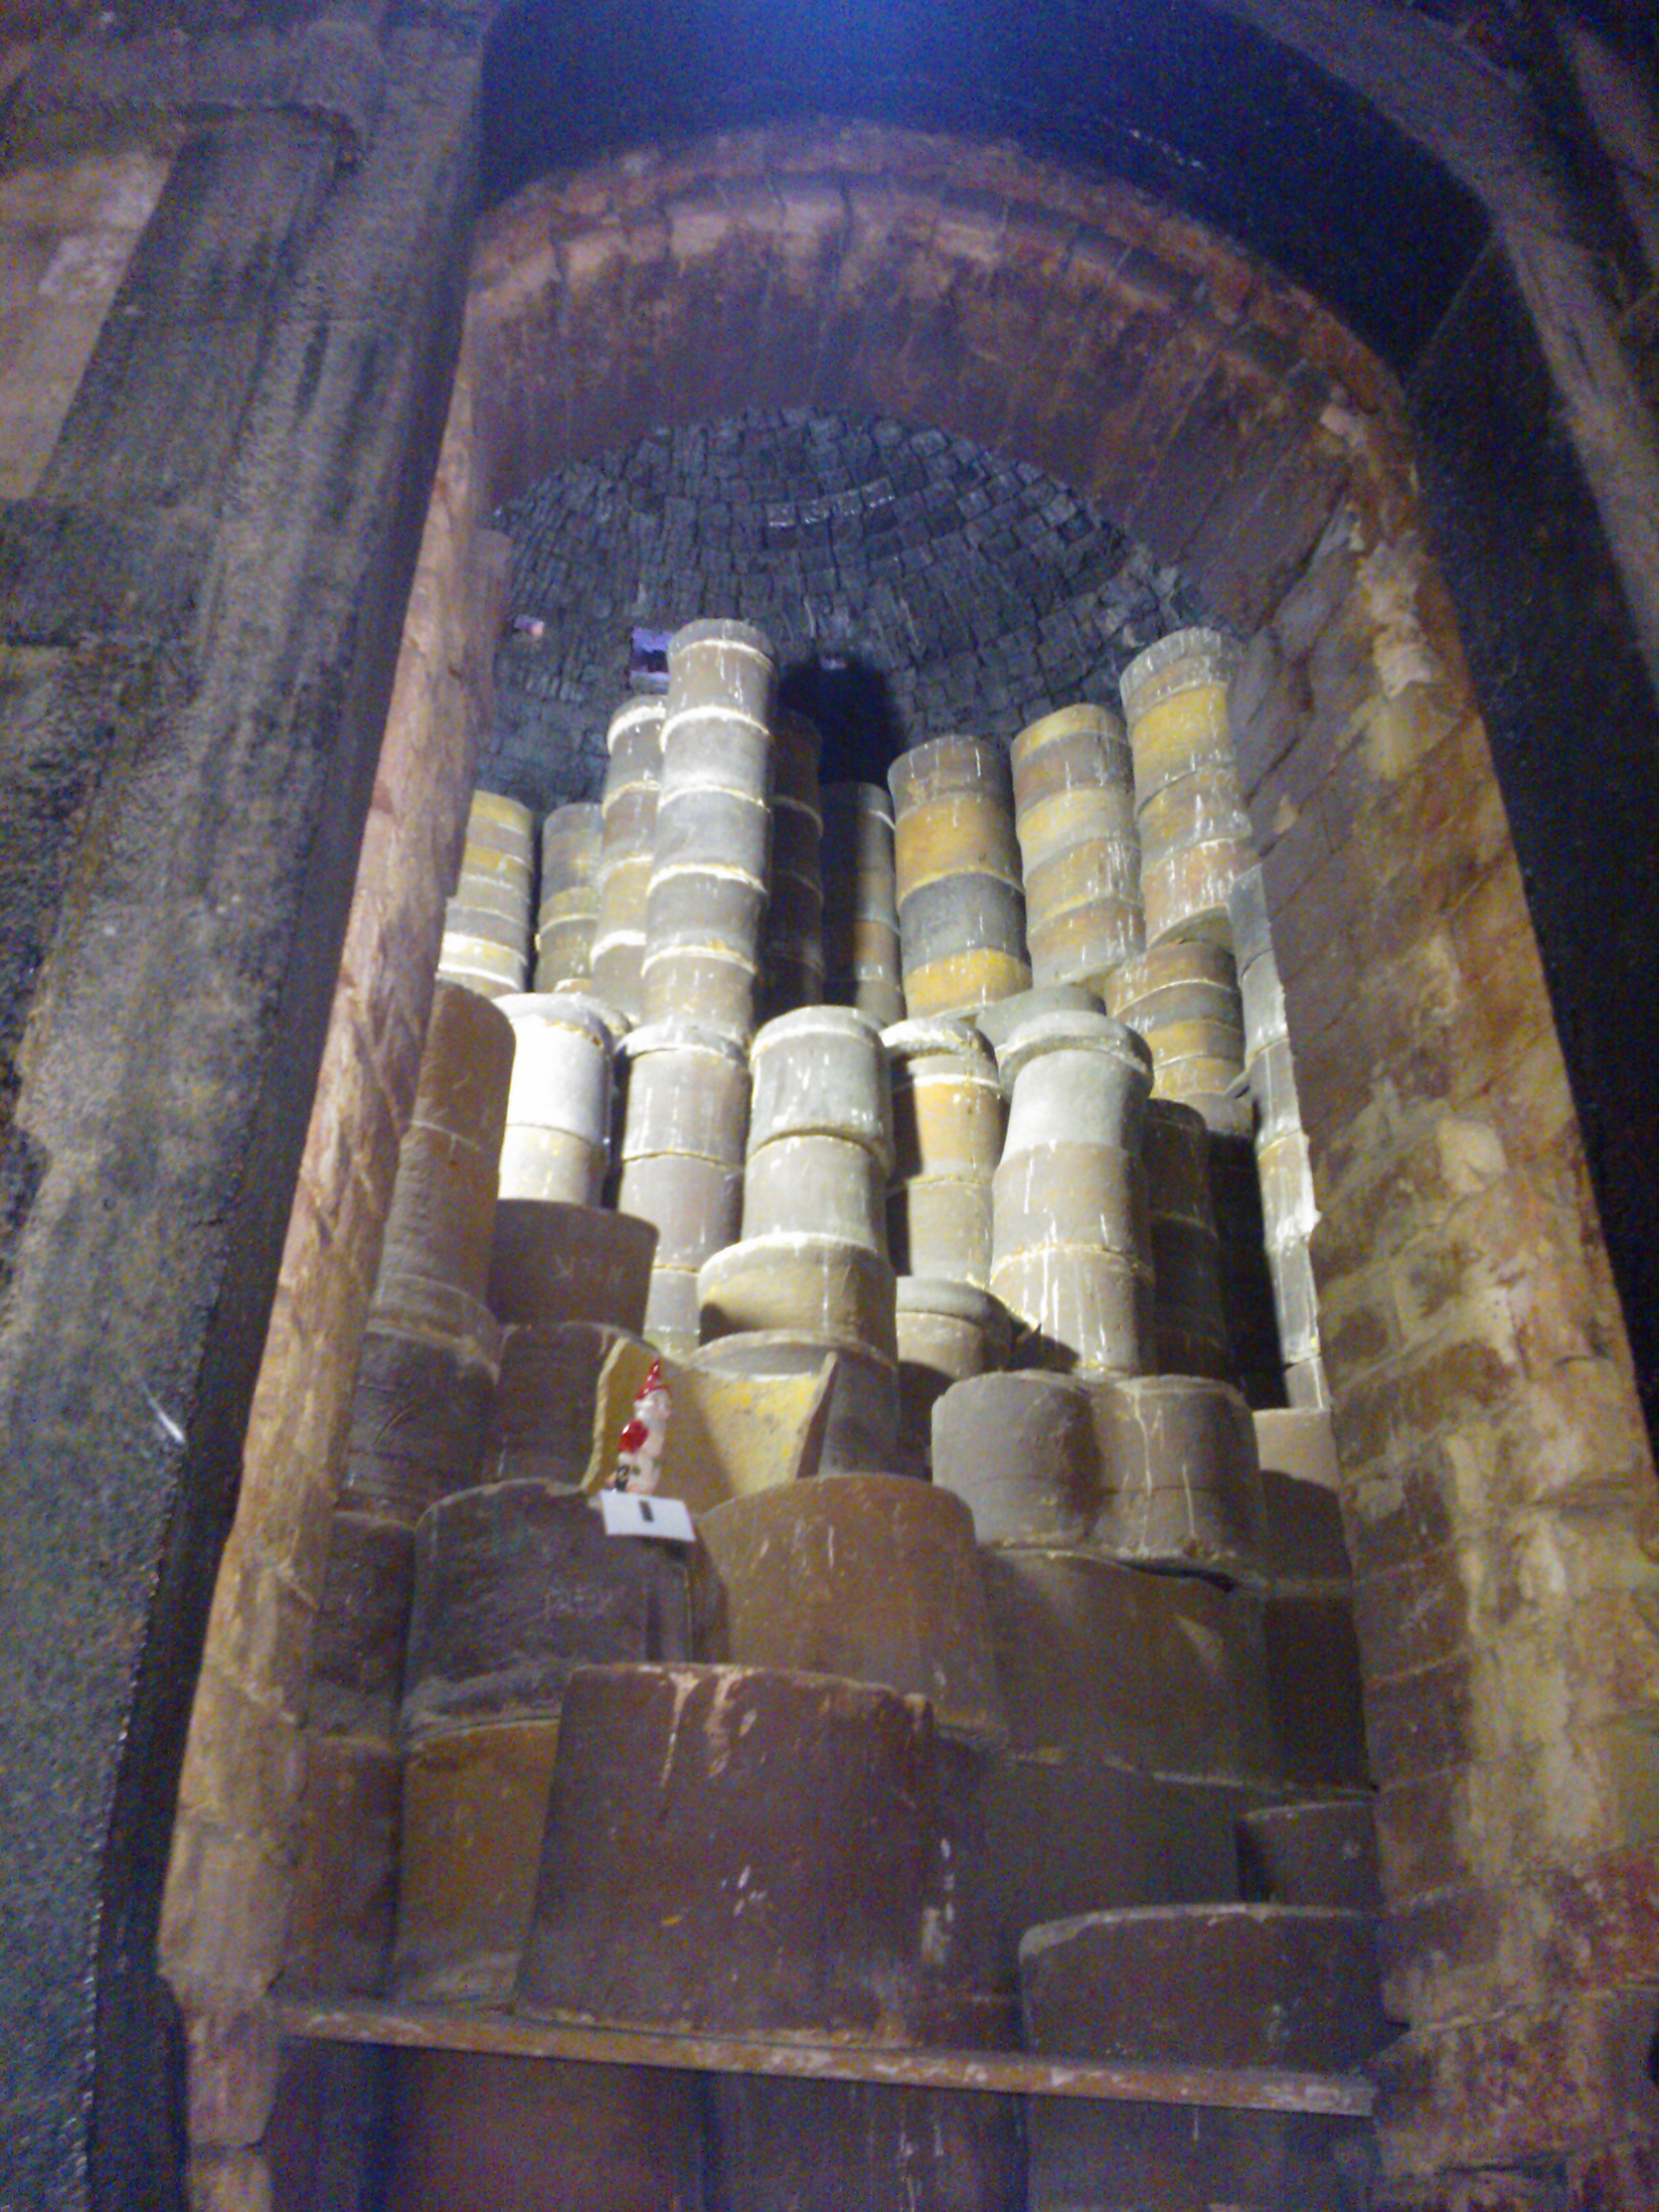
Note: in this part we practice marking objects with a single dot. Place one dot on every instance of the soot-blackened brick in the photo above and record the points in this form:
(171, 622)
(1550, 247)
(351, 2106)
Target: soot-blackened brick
(968, 588)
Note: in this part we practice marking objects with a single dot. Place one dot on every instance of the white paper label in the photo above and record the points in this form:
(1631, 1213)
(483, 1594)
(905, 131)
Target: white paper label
(668, 1519)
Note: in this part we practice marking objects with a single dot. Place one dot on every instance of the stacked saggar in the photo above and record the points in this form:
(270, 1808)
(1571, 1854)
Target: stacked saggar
(1082, 1705)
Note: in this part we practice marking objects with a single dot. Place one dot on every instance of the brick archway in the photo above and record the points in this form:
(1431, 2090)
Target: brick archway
(1485, 1405)
(1206, 404)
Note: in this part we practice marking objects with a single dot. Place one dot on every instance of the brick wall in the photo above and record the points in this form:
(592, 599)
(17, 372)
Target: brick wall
(226, 1915)
(67, 231)
(1498, 1487)
(912, 584)
(1497, 1482)
(1073, 324)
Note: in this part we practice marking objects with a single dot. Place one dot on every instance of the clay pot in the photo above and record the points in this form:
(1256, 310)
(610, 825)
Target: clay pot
(699, 984)
(570, 847)
(700, 827)
(518, 1584)
(960, 833)
(696, 1204)
(553, 1263)
(1175, 701)
(939, 1227)
(687, 1092)
(1074, 1079)
(465, 1068)
(551, 1163)
(811, 1184)
(1019, 1450)
(616, 967)
(964, 983)
(948, 1331)
(562, 1067)
(704, 907)
(869, 1578)
(1265, 1985)
(492, 814)
(796, 745)
(1046, 1196)
(820, 1071)
(1312, 1853)
(808, 1284)
(679, 1790)
(421, 1402)
(721, 664)
(861, 1423)
(876, 993)
(944, 767)
(540, 1426)
(630, 827)
(1079, 1308)
(362, 1619)
(443, 1209)
(958, 914)
(1180, 1461)
(673, 1311)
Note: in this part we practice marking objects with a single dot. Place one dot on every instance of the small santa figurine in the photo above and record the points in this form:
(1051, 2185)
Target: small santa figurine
(639, 1447)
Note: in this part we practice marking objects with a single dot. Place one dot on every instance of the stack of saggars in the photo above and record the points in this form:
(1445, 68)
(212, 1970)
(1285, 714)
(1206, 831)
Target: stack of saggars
(706, 901)
(568, 912)
(961, 909)
(1182, 997)
(791, 944)
(1288, 1207)
(809, 1278)
(860, 903)
(948, 1114)
(486, 939)
(1180, 1797)
(1074, 813)
(420, 1408)
(514, 1585)
(558, 1139)
(685, 1119)
(1256, 1950)
(875, 1756)
(1195, 836)
(1190, 1322)
(633, 776)
(519, 1592)
(875, 1580)
(1071, 1255)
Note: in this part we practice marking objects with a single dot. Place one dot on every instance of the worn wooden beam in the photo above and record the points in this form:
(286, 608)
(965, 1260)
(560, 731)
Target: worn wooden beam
(1253, 2089)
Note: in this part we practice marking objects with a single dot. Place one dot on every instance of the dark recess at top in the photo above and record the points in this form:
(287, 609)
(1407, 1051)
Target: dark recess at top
(1189, 105)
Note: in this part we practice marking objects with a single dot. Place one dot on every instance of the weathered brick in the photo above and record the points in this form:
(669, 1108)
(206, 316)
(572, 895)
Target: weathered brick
(1313, 603)
(1413, 1617)
(260, 1628)
(225, 1914)
(1445, 1956)
(231, 2181)
(1615, 2176)
(1395, 1507)
(1420, 1835)
(234, 2061)
(1418, 1724)
(242, 1763)
(1513, 2089)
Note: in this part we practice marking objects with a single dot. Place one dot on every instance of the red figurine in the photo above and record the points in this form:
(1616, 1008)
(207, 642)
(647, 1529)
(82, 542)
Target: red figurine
(640, 1445)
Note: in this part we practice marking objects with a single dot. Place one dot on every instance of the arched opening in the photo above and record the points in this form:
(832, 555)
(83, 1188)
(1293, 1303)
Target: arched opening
(1484, 1399)
(186, 534)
